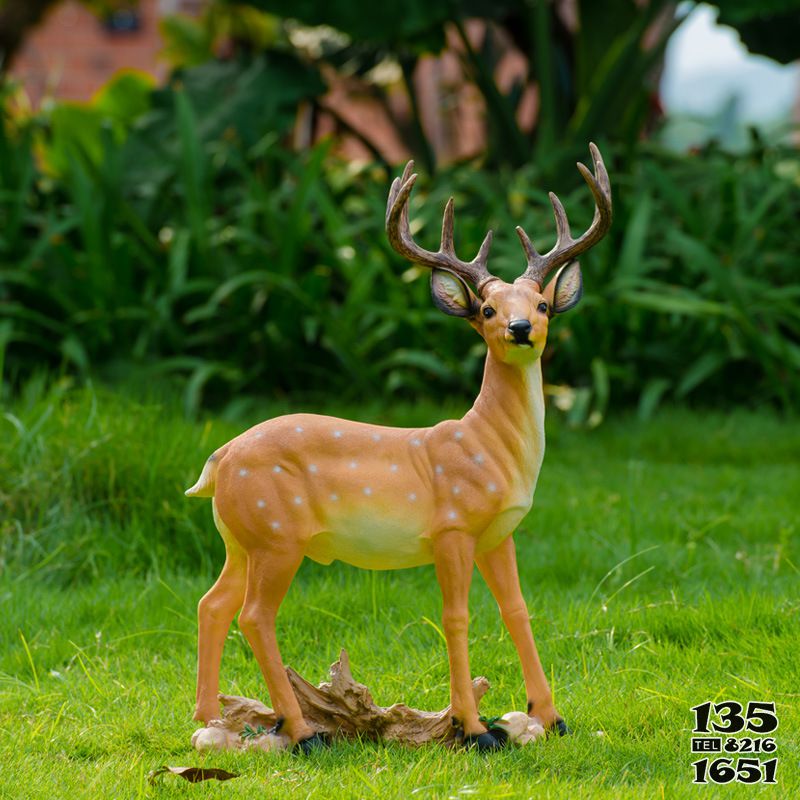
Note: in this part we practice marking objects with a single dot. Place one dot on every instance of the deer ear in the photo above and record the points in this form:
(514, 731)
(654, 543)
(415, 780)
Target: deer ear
(566, 289)
(452, 295)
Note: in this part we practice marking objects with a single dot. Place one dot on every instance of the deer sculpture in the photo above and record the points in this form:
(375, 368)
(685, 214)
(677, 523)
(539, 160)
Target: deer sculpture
(305, 485)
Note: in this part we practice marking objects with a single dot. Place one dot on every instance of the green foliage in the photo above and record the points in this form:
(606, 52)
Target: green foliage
(592, 78)
(593, 67)
(78, 130)
(251, 733)
(191, 41)
(767, 27)
(701, 278)
(417, 22)
(198, 246)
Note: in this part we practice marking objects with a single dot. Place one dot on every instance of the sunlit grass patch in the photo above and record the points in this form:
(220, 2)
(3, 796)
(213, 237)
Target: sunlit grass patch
(660, 563)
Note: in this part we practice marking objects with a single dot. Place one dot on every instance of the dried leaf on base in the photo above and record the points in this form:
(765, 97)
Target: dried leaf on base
(339, 707)
(344, 707)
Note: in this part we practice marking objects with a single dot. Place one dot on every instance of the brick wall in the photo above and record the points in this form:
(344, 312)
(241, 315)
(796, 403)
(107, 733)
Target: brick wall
(71, 54)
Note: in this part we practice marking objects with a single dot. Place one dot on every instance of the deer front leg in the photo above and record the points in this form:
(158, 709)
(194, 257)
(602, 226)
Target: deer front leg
(499, 570)
(453, 554)
(215, 612)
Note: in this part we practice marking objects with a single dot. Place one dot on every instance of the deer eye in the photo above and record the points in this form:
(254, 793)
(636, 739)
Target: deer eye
(488, 312)
(542, 308)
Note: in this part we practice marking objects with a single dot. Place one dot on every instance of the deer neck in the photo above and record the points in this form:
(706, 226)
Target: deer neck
(509, 415)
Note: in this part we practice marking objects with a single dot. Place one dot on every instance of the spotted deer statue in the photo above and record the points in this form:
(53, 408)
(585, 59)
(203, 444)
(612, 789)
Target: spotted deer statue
(376, 497)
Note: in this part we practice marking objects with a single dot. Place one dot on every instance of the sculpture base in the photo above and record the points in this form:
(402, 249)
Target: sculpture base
(344, 708)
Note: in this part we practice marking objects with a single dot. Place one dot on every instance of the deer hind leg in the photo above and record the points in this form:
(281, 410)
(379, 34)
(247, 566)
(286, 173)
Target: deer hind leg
(453, 553)
(215, 612)
(270, 571)
(499, 570)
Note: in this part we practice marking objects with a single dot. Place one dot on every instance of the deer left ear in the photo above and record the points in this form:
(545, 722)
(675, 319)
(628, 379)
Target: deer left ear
(452, 295)
(566, 289)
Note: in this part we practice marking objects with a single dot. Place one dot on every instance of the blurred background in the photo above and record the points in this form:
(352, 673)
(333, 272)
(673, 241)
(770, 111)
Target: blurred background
(192, 198)
(192, 193)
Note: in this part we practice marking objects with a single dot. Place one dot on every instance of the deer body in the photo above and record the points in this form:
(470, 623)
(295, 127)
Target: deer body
(376, 497)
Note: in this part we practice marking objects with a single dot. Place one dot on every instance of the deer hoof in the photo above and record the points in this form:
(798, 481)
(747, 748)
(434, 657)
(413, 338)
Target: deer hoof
(559, 728)
(493, 739)
(312, 743)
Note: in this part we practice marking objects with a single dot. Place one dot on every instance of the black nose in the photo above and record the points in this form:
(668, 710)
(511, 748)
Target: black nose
(520, 328)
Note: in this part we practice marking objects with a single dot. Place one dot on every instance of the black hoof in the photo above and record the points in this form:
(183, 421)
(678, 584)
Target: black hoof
(311, 743)
(560, 727)
(493, 739)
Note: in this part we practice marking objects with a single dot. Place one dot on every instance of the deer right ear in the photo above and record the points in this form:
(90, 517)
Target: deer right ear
(566, 289)
(452, 295)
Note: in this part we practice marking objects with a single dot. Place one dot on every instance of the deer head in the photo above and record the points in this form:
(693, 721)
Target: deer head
(513, 317)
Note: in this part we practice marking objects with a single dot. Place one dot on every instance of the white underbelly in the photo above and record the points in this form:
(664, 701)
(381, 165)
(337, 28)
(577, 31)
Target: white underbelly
(376, 541)
(372, 543)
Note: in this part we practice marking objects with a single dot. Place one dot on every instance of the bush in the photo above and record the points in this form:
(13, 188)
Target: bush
(205, 248)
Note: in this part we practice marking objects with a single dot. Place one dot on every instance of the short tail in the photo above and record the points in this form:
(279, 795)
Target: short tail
(207, 481)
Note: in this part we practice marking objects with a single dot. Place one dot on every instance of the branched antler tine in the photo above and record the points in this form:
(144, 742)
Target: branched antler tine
(396, 184)
(483, 253)
(399, 232)
(527, 245)
(600, 168)
(562, 223)
(397, 225)
(393, 190)
(566, 248)
(447, 246)
(591, 181)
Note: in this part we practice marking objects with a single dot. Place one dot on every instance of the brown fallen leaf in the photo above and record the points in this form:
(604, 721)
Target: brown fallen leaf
(193, 774)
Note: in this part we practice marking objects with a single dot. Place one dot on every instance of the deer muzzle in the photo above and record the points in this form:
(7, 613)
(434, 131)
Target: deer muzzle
(520, 330)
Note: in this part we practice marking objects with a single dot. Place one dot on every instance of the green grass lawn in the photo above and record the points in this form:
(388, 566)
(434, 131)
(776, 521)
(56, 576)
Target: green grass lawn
(660, 563)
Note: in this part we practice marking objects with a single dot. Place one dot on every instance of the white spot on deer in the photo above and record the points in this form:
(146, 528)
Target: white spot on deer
(259, 434)
(260, 503)
(275, 525)
(478, 459)
(312, 468)
(298, 500)
(458, 435)
(353, 464)
(337, 434)
(277, 469)
(298, 429)
(439, 469)
(412, 497)
(394, 468)
(243, 472)
(456, 490)
(492, 487)
(376, 437)
(367, 491)
(334, 497)
(415, 442)
(451, 515)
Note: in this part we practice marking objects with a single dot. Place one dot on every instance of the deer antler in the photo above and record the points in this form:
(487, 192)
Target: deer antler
(566, 248)
(397, 229)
